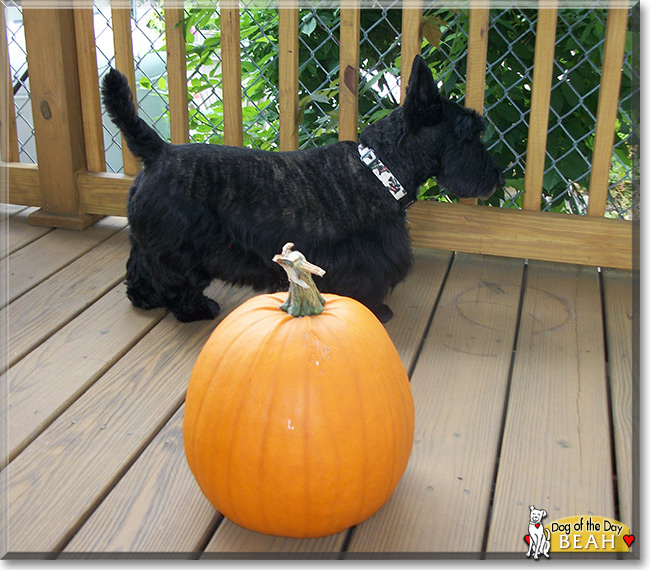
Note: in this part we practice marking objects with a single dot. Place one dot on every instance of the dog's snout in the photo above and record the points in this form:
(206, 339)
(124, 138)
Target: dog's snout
(500, 183)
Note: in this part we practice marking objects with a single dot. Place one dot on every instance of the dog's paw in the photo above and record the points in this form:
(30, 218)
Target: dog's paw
(206, 309)
(383, 313)
(143, 297)
(213, 308)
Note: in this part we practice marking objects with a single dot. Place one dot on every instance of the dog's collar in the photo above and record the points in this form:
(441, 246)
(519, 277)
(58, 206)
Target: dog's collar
(386, 177)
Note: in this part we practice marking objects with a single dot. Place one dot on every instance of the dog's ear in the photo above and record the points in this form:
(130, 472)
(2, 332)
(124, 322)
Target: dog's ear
(468, 125)
(422, 102)
(532, 507)
(543, 513)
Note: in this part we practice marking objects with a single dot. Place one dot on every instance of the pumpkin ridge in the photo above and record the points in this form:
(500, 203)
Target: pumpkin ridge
(329, 336)
(307, 415)
(347, 348)
(361, 330)
(391, 411)
(335, 442)
(203, 398)
(342, 313)
(240, 406)
(264, 446)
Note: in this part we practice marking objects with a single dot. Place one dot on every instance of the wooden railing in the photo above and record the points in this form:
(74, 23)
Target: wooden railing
(72, 189)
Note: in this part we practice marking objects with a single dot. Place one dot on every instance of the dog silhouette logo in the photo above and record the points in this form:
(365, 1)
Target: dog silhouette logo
(538, 537)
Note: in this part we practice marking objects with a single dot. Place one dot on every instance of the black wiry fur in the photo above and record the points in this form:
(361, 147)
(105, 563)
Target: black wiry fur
(199, 212)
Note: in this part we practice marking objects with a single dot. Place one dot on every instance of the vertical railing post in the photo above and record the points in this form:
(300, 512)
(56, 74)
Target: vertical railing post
(610, 86)
(56, 105)
(179, 116)
(123, 42)
(233, 129)
(540, 102)
(288, 74)
(411, 41)
(477, 42)
(349, 71)
(89, 88)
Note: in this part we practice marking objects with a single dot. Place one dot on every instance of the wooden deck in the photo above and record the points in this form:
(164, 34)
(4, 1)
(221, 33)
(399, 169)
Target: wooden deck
(521, 375)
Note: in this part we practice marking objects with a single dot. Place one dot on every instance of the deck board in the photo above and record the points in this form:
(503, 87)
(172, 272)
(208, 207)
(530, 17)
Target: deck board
(557, 425)
(459, 386)
(21, 232)
(69, 468)
(620, 332)
(156, 507)
(413, 300)
(47, 307)
(73, 358)
(100, 469)
(33, 263)
(231, 538)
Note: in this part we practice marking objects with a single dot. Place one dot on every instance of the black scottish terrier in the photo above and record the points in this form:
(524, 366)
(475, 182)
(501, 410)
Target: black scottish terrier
(199, 212)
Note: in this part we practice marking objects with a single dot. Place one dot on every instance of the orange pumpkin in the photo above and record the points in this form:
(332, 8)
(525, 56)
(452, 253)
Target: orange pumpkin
(298, 427)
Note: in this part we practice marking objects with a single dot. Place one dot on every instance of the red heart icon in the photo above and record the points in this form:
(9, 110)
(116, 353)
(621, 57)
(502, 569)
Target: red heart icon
(629, 539)
(537, 525)
(527, 539)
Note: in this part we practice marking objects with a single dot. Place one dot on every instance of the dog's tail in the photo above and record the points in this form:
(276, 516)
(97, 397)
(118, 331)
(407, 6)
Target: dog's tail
(141, 139)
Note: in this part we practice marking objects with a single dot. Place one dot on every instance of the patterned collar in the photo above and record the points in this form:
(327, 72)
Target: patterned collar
(387, 178)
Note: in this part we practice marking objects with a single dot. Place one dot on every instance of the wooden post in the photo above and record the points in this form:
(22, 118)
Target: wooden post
(56, 105)
(349, 71)
(411, 41)
(89, 89)
(121, 16)
(179, 116)
(8, 134)
(233, 129)
(288, 74)
(539, 106)
(479, 20)
(610, 86)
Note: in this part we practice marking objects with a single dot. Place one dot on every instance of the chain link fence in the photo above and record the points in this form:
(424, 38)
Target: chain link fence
(20, 84)
(511, 43)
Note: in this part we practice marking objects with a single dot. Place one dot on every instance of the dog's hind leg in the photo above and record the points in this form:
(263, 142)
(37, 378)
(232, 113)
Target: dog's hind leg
(139, 281)
(383, 312)
(195, 307)
(183, 289)
(170, 281)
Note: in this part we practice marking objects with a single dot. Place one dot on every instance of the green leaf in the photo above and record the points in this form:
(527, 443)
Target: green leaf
(320, 97)
(308, 27)
(380, 114)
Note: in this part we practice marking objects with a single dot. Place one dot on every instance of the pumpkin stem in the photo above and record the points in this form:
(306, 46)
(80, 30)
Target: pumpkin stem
(304, 298)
